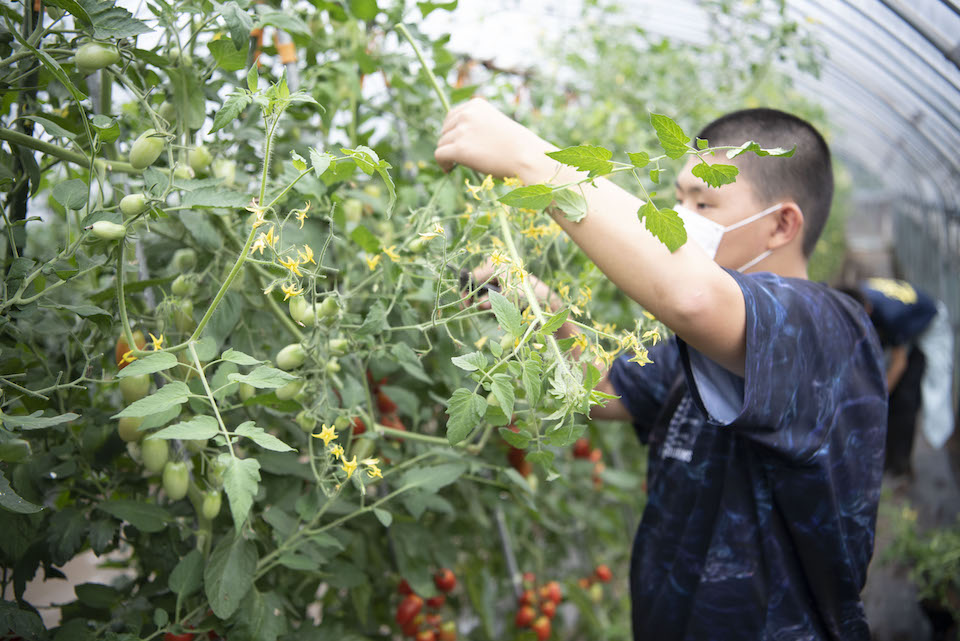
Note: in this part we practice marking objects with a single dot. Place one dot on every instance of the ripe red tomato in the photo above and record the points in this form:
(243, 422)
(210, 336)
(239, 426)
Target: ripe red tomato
(408, 609)
(445, 580)
(525, 616)
(385, 404)
(541, 627)
(123, 347)
(603, 573)
(529, 578)
(411, 627)
(393, 421)
(529, 597)
(551, 591)
(426, 635)
(359, 427)
(184, 636)
(595, 455)
(584, 582)
(581, 449)
(518, 460)
(448, 632)
(436, 602)
(404, 588)
(548, 608)
(433, 620)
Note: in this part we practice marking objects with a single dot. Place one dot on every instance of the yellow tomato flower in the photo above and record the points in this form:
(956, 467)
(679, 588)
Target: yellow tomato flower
(641, 357)
(498, 259)
(292, 264)
(349, 466)
(301, 214)
(373, 262)
(337, 451)
(653, 335)
(487, 184)
(264, 240)
(157, 342)
(374, 472)
(290, 289)
(305, 257)
(512, 181)
(392, 253)
(327, 434)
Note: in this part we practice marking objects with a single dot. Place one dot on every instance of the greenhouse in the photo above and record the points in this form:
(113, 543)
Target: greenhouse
(480, 320)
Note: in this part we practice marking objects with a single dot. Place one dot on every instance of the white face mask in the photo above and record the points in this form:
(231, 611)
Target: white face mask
(708, 233)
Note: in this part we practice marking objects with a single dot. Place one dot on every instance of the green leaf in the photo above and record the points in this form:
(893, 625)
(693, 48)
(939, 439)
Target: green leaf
(367, 159)
(156, 362)
(470, 362)
(215, 197)
(388, 181)
(639, 160)
(595, 160)
(13, 502)
(229, 57)
(702, 144)
(36, 421)
(72, 194)
(572, 203)
(53, 67)
(365, 238)
(541, 457)
(97, 595)
(107, 128)
(239, 358)
(465, 409)
(233, 106)
(385, 517)
(187, 576)
(285, 20)
(239, 23)
(171, 394)
(535, 197)
(228, 575)
(431, 479)
(365, 10)
(760, 151)
(298, 161)
(715, 175)
(263, 617)
(198, 428)
(506, 312)
(665, 224)
(409, 361)
(110, 21)
(519, 440)
(262, 438)
(241, 481)
(671, 136)
(146, 517)
(655, 176)
(52, 128)
(532, 380)
(73, 8)
(555, 322)
(502, 390)
(319, 161)
(427, 7)
(253, 79)
(264, 377)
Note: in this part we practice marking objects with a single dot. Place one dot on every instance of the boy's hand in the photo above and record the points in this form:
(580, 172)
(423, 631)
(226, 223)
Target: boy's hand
(485, 274)
(478, 135)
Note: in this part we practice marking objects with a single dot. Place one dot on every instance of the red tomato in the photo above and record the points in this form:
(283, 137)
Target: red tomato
(359, 427)
(541, 627)
(408, 609)
(553, 592)
(529, 578)
(412, 626)
(548, 608)
(595, 455)
(123, 347)
(581, 449)
(385, 404)
(448, 632)
(603, 573)
(584, 582)
(528, 597)
(426, 635)
(393, 422)
(525, 616)
(183, 636)
(404, 588)
(445, 580)
(436, 602)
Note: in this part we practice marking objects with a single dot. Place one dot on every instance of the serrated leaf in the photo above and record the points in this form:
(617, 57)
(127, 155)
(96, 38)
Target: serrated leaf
(239, 23)
(241, 479)
(665, 224)
(13, 502)
(519, 440)
(655, 176)
(595, 160)
(367, 159)
(639, 159)
(109, 21)
(146, 517)
(754, 147)
(73, 8)
(264, 377)
(470, 362)
(572, 203)
(702, 144)
(298, 162)
(228, 575)
(671, 136)
(366, 239)
(465, 409)
(541, 457)
(535, 197)
(319, 161)
(506, 312)
(532, 378)
(198, 428)
(72, 194)
(555, 321)
(156, 362)
(262, 438)
(502, 389)
(239, 358)
(172, 394)
(228, 55)
(233, 106)
(715, 175)
(36, 421)
(51, 127)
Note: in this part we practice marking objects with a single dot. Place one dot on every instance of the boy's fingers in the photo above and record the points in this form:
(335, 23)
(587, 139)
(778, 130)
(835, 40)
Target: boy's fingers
(446, 156)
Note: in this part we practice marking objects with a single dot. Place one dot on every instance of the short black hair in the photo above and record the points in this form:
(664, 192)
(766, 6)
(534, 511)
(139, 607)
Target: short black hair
(805, 178)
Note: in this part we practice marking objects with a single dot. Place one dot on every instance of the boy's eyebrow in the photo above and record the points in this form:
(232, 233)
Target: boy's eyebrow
(694, 187)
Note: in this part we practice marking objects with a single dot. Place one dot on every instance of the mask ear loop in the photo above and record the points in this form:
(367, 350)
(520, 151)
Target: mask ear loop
(753, 262)
(757, 216)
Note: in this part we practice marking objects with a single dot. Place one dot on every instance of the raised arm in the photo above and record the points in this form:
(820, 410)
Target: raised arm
(685, 289)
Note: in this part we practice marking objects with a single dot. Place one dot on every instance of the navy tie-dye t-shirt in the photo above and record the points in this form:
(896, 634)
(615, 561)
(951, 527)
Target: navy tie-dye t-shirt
(763, 489)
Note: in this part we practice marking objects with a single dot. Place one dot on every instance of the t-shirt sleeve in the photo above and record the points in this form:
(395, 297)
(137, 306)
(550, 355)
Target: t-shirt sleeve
(643, 388)
(806, 348)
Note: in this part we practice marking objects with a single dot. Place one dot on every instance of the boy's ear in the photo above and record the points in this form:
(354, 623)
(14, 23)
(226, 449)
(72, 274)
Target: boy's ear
(789, 225)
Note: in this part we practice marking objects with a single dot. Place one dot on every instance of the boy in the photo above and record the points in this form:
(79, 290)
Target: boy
(767, 454)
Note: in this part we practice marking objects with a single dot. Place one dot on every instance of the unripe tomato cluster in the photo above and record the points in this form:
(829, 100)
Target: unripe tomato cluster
(583, 450)
(426, 624)
(536, 607)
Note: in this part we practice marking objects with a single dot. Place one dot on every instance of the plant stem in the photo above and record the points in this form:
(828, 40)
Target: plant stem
(402, 29)
(213, 402)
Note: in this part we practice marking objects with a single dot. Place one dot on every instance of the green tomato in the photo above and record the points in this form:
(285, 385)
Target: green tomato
(199, 158)
(133, 204)
(93, 56)
(226, 170)
(418, 244)
(338, 345)
(15, 450)
(306, 422)
(299, 309)
(333, 366)
(183, 316)
(291, 357)
(183, 285)
(372, 190)
(247, 391)
(167, 111)
(106, 230)
(289, 390)
(215, 472)
(353, 210)
(184, 260)
(128, 428)
(134, 388)
(212, 501)
(361, 448)
(146, 149)
(195, 445)
(176, 479)
(341, 423)
(328, 307)
(181, 58)
(155, 453)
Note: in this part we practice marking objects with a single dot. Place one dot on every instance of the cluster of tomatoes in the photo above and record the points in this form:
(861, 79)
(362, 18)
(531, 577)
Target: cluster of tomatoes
(426, 624)
(582, 450)
(591, 584)
(536, 607)
(386, 406)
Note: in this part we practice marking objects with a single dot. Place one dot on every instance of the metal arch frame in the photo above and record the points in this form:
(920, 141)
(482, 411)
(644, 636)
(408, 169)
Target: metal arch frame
(950, 50)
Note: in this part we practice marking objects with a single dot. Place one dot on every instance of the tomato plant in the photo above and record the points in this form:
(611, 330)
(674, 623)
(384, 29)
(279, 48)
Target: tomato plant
(232, 271)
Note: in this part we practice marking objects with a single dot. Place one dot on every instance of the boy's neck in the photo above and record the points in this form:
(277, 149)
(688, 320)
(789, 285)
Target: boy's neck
(786, 266)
